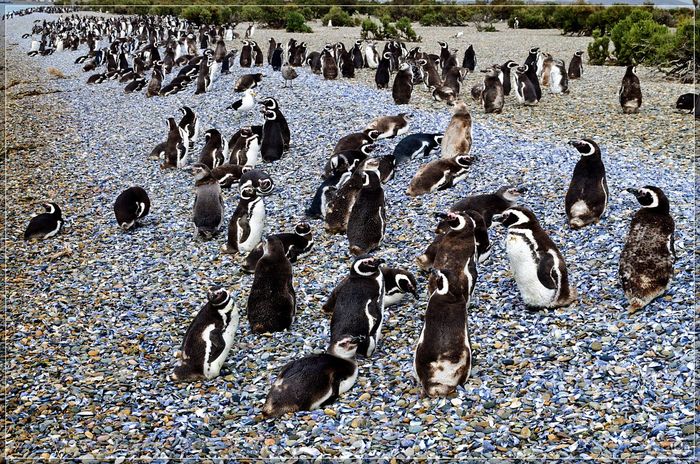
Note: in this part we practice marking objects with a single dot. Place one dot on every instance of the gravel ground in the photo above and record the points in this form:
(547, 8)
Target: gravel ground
(96, 315)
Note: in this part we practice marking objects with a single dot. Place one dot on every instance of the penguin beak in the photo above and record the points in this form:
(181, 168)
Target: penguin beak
(521, 190)
(633, 191)
(441, 215)
(498, 218)
(358, 339)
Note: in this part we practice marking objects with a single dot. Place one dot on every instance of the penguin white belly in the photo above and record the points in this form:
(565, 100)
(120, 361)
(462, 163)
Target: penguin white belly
(257, 224)
(415, 353)
(370, 324)
(555, 80)
(252, 155)
(317, 404)
(403, 130)
(442, 181)
(55, 231)
(347, 384)
(393, 299)
(446, 372)
(211, 369)
(524, 268)
(35, 46)
(579, 208)
(420, 151)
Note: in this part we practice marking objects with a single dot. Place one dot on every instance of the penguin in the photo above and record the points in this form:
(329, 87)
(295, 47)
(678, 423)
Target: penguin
(372, 55)
(136, 85)
(403, 85)
(492, 97)
(558, 79)
(228, 174)
(535, 261)
(316, 380)
(272, 145)
(203, 76)
(272, 300)
(209, 338)
(450, 64)
(576, 66)
(630, 92)
(245, 228)
(398, 282)
(443, 94)
(276, 58)
(432, 77)
(248, 81)
(531, 71)
(131, 205)
(457, 249)
(687, 102)
(227, 61)
(271, 104)
(314, 62)
(345, 61)
(490, 204)
(295, 244)
(220, 51)
(646, 262)
(443, 356)
(469, 61)
(215, 148)
(587, 197)
(246, 152)
(176, 146)
(319, 203)
(208, 203)
(476, 91)
(273, 45)
(356, 140)
(245, 58)
(383, 74)
(259, 57)
(525, 89)
(259, 180)
(358, 304)
(507, 75)
(439, 174)
(390, 126)
(190, 124)
(416, 145)
(329, 67)
(347, 160)
(357, 56)
(45, 225)
(244, 104)
(457, 140)
(367, 221)
(341, 203)
(545, 62)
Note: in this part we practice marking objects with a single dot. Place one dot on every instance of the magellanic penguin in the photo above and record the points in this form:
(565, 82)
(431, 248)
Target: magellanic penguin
(316, 380)
(383, 74)
(490, 204)
(356, 140)
(245, 228)
(367, 221)
(558, 79)
(295, 244)
(416, 145)
(630, 91)
(246, 150)
(276, 59)
(587, 196)
(443, 356)
(272, 145)
(492, 97)
(45, 225)
(537, 265)
(329, 67)
(130, 206)
(259, 180)
(457, 140)
(319, 203)
(390, 126)
(576, 66)
(439, 174)
(646, 263)
(398, 283)
(371, 55)
(272, 301)
(341, 202)
(208, 202)
(469, 61)
(209, 338)
(443, 94)
(525, 90)
(245, 60)
(228, 174)
(358, 304)
(271, 104)
(176, 146)
(347, 160)
(248, 81)
(190, 124)
(215, 149)
(688, 102)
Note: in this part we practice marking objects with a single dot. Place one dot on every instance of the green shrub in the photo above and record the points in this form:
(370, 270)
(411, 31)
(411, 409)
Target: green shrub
(370, 30)
(251, 13)
(296, 22)
(639, 39)
(197, 14)
(598, 50)
(338, 17)
(404, 26)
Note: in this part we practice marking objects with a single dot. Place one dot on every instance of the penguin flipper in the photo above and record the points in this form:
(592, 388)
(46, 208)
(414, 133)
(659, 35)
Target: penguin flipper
(218, 344)
(545, 267)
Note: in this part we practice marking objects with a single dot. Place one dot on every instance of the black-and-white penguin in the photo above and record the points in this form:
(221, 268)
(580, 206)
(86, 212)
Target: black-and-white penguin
(341, 201)
(319, 203)
(372, 55)
(190, 124)
(358, 304)
(576, 66)
(383, 74)
(439, 174)
(272, 146)
(469, 61)
(525, 89)
(358, 59)
(367, 221)
(329, 67)
(246, 226)
(390, 126)
(630, 91)
(398, 283)
(209, 338)
(646, 262)
(272, 300)
(347, 160)
(403, 85)
(356, 140)
(443, 94)
(531, 70)
(208, 203)
(587, 196)
(272, 46)
(558, 78)
(416, 145)
(507, 74)
(244, 104)
(176, 146)
(203, 77)
(276, 58)
(492, 96)
(228, 174)
(688, 102)
(248, 81)
(215, 148)
(443, 356)
(45, 225)
(271, 104)
(316, 380)
(130, 206)
(259, 180)
(246, 149)
(245, 59)
(490, 204)
(537, 265)
(295, 244)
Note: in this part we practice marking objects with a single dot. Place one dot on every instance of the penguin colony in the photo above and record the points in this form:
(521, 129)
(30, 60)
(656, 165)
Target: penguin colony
(351, 199)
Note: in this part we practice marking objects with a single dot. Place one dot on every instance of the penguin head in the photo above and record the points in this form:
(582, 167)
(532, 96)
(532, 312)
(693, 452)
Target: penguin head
(218, 296)
(367, 148)
(438, 139)
(534, 50)
(269, 103)
(406, 282)
(372, 133)
(586, 147)
(52, 208)
(510, 64)
(631, 70)
(456, 220)
(442, 44)
(366, 266)
(387, 55)
(464, 160)
(303, 229)
(579, 53)
(514, 216)
(651, 197)
(345, 346)
(200, 171)
(439, 281)
(247, 193)
(510, 193)
(272, 245)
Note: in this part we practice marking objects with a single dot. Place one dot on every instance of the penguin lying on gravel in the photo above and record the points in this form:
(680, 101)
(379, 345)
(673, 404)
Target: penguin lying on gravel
(390, 126)
(490, 204)
(416, 145)
(356, 140)
(399, 283)
(132, 204)
(646, 263)
(45, 225)
(439, 174)
(295, 244)
(248, 81)
(316, 380)
(688, 102)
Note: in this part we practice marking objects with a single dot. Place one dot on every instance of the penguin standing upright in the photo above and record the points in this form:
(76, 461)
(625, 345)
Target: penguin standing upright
(341, 203)
(492, 97)
(131, 205)
(203, 76)
(215, 148)
(316, 380)
(329, 67)
(154, 85)
(358, 304)
(558, 79)
(531, 70)
(383, 74)
(190, 124)
(630, 91)
(403, 85)
(469, 61)
(276, 58)
(646, 262)
(587, 196)
(506, 75)
(443, 357)
(245, 228)
(457, 250)
(272, 300)
(537, 265)
(457, 140)
(525, 90)
(576, 66)
(45, 225)
(357, 56)
(273, 45)
(371, 55)
(367, 221)
(208, 202)
(245, 60)
(259, 58)
(176, 146)
(209, 338)
(272, 105)
(272, 145)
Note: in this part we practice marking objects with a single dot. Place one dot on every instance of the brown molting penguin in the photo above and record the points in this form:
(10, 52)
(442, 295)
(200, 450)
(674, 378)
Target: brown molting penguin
(457, 140)
(630, 91)
(439, 174)
(390, 126)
